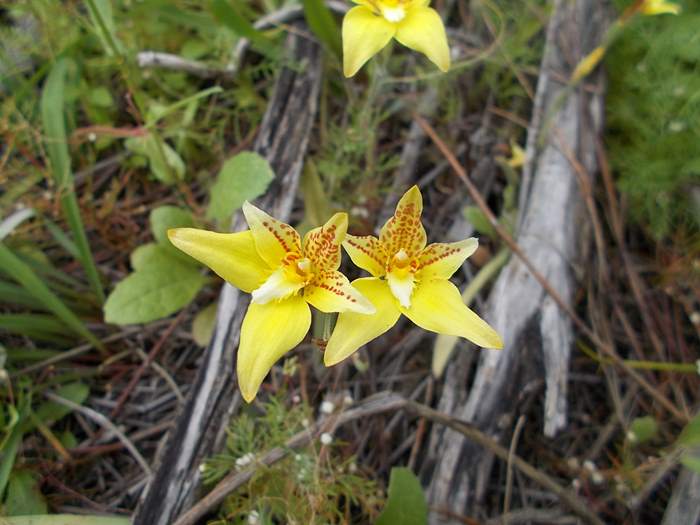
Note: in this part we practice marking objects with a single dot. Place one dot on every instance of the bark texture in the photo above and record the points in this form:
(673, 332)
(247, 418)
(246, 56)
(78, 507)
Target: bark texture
(537, 334)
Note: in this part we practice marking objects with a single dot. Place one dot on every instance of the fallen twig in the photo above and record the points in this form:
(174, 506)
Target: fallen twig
(380, 403)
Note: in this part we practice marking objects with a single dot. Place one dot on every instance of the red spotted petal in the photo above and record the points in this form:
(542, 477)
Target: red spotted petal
(404, 230)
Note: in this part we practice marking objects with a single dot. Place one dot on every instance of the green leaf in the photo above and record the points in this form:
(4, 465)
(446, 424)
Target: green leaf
(25, 276)
(165, 217)
(643, 429)
(317, 205)
(103, 19)
(203, 325)
(101, 97)
(228, 14)
(153, 292)
(150, 254)
(406, 504)
(322, 23)
(165, 163)
(23, 495)
(50, 412)
(691, 460)
(242, 177)
(65, 519)
(52, 109)
(52, 106)
(477, 219)
(690, 435)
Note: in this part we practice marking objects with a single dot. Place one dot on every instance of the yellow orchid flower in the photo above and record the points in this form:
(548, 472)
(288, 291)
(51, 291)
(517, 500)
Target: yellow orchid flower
(408, 278)
(658, 7)
(284, 275)
(368, 27)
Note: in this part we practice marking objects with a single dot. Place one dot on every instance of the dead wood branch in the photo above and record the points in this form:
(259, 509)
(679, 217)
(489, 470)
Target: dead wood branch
(535, 327)
(377, 404)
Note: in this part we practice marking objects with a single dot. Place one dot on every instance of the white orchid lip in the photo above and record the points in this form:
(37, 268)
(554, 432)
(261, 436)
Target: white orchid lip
(394, 14)
(401, 276)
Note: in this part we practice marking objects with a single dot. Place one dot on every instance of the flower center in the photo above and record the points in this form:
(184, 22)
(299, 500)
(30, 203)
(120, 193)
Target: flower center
(288, 279)
(303, 269)
(401, 275)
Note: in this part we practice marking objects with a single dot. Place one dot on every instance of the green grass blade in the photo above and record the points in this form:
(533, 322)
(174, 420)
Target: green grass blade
(101, 16)
(227, 13)
(21, 273)
(322, 23)
(9, 450)
(52, 108)
(33, 325)
(16, 295)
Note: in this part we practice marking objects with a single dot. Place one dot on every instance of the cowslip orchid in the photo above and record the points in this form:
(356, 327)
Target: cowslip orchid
(408, 278)
(369, 26)
(284, 276)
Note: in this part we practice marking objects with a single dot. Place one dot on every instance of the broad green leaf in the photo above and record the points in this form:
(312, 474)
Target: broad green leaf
(159, 255)
(643, 429)
(25, 276)
(150, 254)
(203, 325)
(153, 292)
(23, 495)
(65, 519)
(406, 503)
(165, 163)
(242, 177)
(165, 217)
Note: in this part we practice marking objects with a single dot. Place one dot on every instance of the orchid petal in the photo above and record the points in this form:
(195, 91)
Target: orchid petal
(367, 253)
(273, 239)
(437, 306)
(267, 333)
(277, 286)
(404, 230)
(232, 256)
(659, 7)
(332, 292)
(441, 260)
(422, 30)
(322, 245)
(354, 330)
(364, 35)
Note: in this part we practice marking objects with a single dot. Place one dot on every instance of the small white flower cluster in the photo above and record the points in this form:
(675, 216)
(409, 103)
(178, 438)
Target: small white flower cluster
(327, 407)
(596, 477)
(326, 439)
(253, 517)
(245, 460)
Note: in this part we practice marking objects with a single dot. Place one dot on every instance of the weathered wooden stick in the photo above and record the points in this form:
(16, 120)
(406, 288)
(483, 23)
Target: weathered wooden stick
(684, 506)
(536, 332)
(283, 138)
